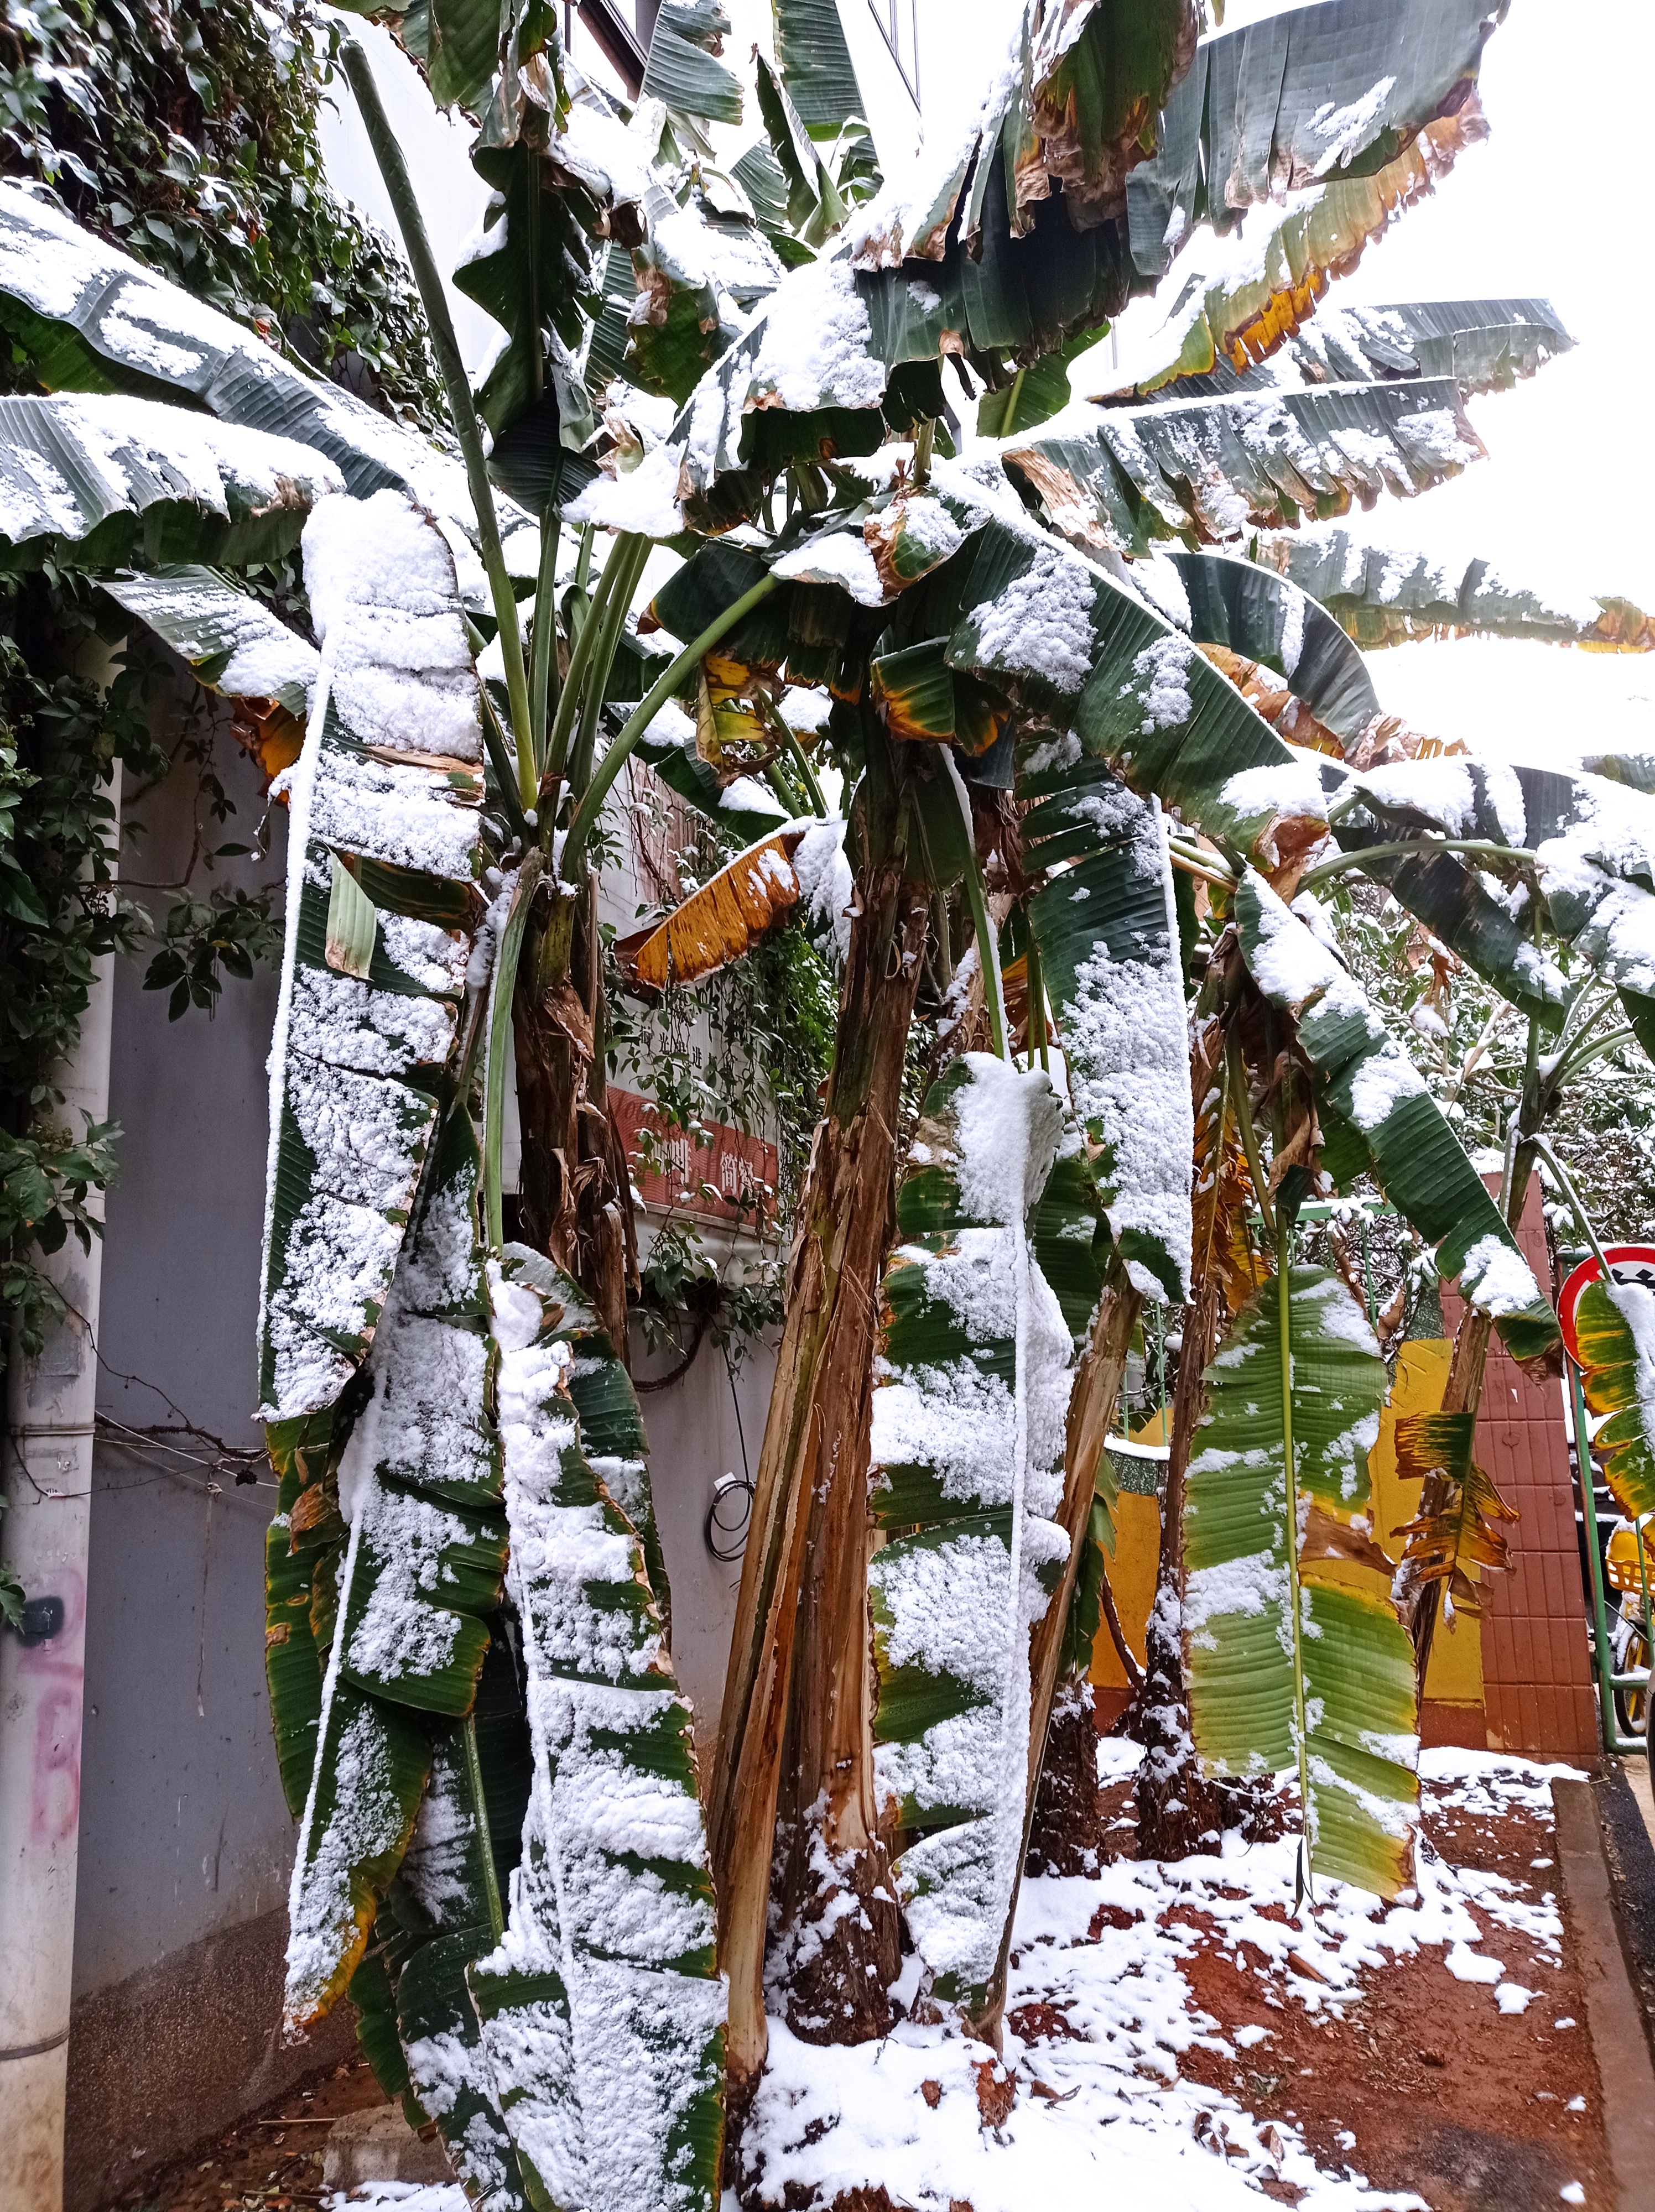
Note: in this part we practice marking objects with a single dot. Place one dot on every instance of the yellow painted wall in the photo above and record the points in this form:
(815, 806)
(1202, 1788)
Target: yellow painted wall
(1455, 1674)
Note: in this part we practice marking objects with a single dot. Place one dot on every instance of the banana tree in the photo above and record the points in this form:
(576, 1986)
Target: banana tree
(501, 1852)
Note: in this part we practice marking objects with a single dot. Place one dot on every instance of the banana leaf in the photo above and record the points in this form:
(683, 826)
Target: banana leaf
(99, 481)
(1084, 654)
(1384, 596)
(419, 1484)
(1264, 286)
(1592, 835)
(820, 79)
(1479, 345)
(1282, 103)
(683, 71)
(602, 2010)
(1296, 1660)
(90, 318)
(1204, 470)
(1614, 1327)
(1463, 1531)
(1110, 957)
(388, 782)
(719, 922)
(976, 1364)
(1273, 621)
(1370, 1090)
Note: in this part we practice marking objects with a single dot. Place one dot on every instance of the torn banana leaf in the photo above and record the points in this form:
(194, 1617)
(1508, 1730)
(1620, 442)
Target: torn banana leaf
(1384, 596)
(1372, 1089)
(980, 252)
(1297, 1661)
(968, 1440)
(1462, 1533)
(390, 781)
(1592, 835)
(602, 2010)
(1282, 103)
(415, 2020)
(1267, 283)
(1110, 960)
(745, 809)
(236, 646)
(1271, 620)
(721, 921)
(91, 319)
(1205, 470)
(1615, 1328)
(98, 480)
(1478, 345)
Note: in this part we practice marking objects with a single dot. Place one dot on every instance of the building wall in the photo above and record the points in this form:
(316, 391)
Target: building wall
(185, 1842)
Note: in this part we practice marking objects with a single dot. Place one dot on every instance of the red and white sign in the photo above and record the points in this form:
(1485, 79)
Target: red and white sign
(1627, 1263)
(716, 1178)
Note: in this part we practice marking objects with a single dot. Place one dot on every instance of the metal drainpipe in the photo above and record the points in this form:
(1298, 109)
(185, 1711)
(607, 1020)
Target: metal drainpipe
(47, 1480)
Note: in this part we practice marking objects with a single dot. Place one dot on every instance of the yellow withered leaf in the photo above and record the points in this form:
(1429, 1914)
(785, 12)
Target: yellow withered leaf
(721, 920)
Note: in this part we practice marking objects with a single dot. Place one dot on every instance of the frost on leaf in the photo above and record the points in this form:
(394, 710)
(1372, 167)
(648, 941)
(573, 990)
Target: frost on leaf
(602, 2013)
(968, 1439)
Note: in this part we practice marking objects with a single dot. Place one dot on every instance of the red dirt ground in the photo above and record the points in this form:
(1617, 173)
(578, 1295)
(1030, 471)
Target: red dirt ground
(1426, 2086)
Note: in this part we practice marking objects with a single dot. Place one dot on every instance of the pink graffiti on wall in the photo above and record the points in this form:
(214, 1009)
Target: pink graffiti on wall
(55, 1673)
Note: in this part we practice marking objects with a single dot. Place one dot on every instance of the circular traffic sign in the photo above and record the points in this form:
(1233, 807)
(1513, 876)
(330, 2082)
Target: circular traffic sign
(1627, 1263)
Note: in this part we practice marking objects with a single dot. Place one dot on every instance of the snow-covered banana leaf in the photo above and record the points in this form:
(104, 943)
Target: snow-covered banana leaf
(1593, 836)
(1107, 938)
(235, 644)
(1614, 1326)
(1283, 102)
(90, 318)
(1116, 478)
(969, 1407)
(601, 2010)
(1296, 1660)
(1079, 650)
(1264, 285)
(1270, 619)
(98, 480)
(1378, 1104)
(1383, 595)
(1478, 345)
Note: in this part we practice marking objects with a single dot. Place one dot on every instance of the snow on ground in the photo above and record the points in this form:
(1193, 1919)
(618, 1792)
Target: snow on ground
(1108, 2116)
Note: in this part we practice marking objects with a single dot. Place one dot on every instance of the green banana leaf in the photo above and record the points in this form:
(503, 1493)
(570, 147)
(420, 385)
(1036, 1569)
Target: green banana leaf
(977, 1356)
(235, 644)
(1110, 958)
(1262, 288)
(1614, 1327)
(90, 318)
(97, 481)
(1204, 470)
(1274, 621)
(1373, 1094)
(355, 1059)
(1289, 1668)
(1479, 345)
(683, 71)
(820, 79)
(1384, 596)
(1282, 103)
(1592, 835)
(602, 2010)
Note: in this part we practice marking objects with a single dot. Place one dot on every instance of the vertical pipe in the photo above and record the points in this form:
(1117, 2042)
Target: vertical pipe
(47, 1480)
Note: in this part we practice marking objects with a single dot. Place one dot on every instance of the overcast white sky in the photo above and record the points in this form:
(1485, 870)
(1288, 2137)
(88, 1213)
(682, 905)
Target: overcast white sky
(1553, 204)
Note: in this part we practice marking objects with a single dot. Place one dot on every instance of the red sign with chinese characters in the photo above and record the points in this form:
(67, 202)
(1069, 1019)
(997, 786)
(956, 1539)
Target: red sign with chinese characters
(714, 1177)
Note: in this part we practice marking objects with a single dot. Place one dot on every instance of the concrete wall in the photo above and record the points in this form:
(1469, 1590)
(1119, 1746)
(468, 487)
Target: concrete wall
(185, 1841)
